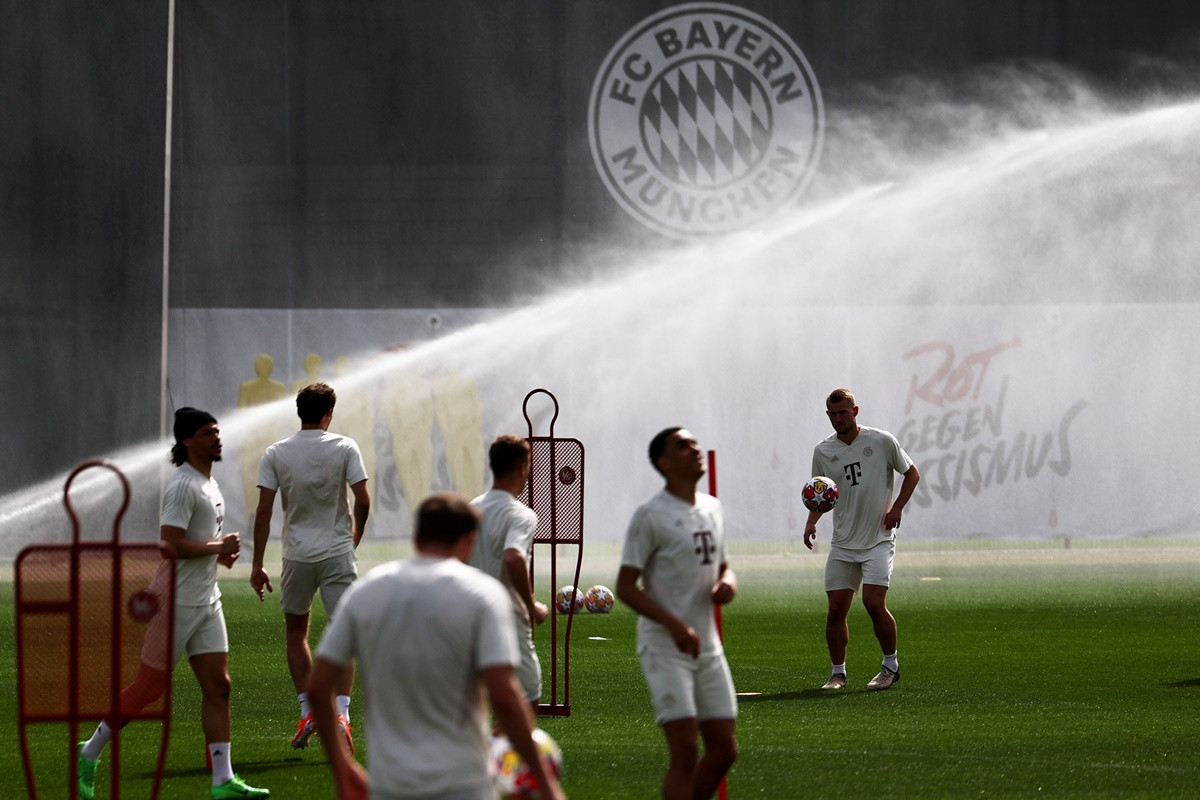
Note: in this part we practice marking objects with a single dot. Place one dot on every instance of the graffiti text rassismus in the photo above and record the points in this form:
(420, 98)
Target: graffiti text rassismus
(965, 444)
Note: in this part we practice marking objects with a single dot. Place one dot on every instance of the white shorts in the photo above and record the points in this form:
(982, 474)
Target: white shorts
(529, 671)
(302, 579)
(682, 687)
(846, 569)
(198, 630)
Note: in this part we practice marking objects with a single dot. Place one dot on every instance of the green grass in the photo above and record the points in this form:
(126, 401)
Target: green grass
(1047, 678)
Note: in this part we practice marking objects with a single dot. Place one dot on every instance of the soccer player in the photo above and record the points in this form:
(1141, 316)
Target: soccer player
(505, 538)
(311, 470)
(673, 571)
(431, 636)
(192, 514)
(862, 461)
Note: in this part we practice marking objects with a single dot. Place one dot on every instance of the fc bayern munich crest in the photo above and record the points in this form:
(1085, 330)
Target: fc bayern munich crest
(705, 118)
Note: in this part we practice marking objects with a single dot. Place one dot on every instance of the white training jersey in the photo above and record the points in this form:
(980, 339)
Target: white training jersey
(421, 631)
(311, 471)
(864, 472)
(193, 502)
(679, 549)
(508, 524)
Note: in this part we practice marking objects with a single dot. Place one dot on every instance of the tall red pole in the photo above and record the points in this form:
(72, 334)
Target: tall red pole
(722, 791)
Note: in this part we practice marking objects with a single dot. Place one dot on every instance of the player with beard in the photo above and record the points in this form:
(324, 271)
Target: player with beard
(191, 526)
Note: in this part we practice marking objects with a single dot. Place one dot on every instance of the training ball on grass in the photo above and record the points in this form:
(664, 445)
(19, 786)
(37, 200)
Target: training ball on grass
(819, 494)
(514, 780)
(567, 597)
(598, 600)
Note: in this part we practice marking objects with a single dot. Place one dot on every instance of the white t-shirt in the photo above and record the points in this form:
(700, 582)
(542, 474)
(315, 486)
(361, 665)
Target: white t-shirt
(421, 630)
(864, 472)
(507, 524)
(311, 470)
(194, 503)
(679, 549)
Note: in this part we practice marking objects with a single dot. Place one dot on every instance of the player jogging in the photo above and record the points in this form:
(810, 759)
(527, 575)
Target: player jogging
(193, 510)
(673, 571)
(862, 461)
(505, 539)
(311, 470)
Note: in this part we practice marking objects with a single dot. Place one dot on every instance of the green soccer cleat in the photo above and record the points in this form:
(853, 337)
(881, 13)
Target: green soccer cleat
(237, 788)
(87, 776)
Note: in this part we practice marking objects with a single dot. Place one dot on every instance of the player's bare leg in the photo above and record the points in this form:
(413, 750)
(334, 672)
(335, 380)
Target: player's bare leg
(299, 656)
(300, 662)
(148, 686)
(683, 752)
(875, 601)
(837, 631)
(720, 751)
(212, 672)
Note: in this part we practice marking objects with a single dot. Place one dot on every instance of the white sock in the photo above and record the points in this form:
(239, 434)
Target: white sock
(839, 669)
(891, 663)
(305, 708)
(222, 763)
(343, 701)
(95, 745)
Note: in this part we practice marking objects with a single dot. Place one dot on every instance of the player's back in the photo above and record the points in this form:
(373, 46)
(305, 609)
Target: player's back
(423, 629)
(311, 470)
(507, 523)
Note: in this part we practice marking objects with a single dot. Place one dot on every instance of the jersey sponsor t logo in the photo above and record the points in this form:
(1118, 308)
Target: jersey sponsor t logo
(704, 546)
(853, 472)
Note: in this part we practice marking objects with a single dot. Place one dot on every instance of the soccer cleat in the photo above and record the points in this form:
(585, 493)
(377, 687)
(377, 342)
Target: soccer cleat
(87, 776)
(305, 728)
(836, 681)
(886, 679)
(237, 788)
(344, 727)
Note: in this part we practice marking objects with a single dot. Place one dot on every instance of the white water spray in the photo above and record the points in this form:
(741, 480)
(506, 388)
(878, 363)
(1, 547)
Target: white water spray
(1010, 303)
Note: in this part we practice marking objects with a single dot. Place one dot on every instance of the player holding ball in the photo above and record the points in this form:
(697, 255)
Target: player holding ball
(863, 461)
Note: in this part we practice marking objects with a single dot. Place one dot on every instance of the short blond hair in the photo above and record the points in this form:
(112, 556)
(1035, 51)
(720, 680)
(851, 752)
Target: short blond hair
(840, 395)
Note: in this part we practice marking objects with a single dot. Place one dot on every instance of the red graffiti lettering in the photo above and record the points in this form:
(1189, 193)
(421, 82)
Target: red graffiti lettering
(950, 382)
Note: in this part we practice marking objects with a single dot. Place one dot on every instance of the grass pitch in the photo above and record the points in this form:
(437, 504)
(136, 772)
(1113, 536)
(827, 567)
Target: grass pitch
(1024, 674)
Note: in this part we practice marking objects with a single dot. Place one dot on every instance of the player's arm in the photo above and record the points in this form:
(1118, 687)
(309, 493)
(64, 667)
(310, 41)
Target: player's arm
(362, 509)
(517, 570)
(810, 528)
(512, 713)
(630, 590)
(262, 532)
(176, 539)
(349, 775)
(725, 589)
(892, 518)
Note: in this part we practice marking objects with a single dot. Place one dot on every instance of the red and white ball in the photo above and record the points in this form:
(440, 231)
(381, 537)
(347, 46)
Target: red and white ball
(599, 600)
(819, 494)
(514, 780)
(567, 597)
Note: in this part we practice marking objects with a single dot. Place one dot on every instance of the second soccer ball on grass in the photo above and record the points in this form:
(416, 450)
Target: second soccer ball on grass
(598, 600)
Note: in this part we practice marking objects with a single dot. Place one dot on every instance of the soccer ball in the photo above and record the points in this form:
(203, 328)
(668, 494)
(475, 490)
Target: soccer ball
(598, 600)
(567, 597)
(514, 780)
(819, 494)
